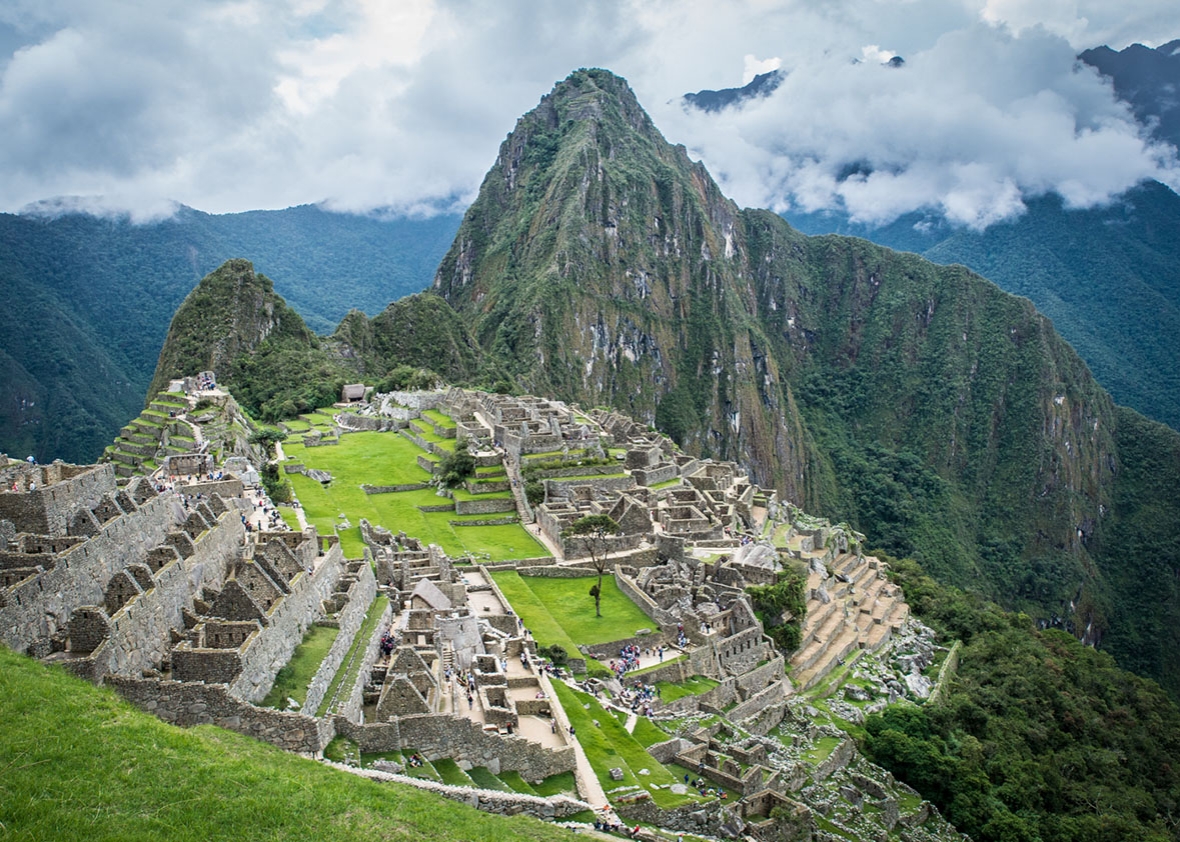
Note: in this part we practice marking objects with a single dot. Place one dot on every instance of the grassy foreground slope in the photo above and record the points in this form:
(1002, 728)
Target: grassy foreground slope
(76, 762)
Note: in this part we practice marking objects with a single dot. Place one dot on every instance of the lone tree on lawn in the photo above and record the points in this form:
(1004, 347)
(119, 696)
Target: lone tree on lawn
(594, 529)
(454, 468)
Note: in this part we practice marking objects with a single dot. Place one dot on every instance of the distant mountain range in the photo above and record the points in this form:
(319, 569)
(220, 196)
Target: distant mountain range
(87, 301)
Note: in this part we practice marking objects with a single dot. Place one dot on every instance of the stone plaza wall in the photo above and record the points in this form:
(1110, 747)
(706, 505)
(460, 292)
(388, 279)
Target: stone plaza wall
(194, 703)
(289, 620)
(465, 741)
(350, 618)
(485, 507)
(565, 487)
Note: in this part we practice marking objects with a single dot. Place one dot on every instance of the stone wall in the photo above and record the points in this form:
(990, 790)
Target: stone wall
(227, 488)
(774, 694)
(289, 620)
(710, 819)
(139, 631)
(61, 491)
(419, 400)
(644, 602)
(465, 741)
(350, 619)
(352, 708)
(38, 607)
(489, 801)
(393, 489)
(565, 487)
(761, 677)
(654, 476)
(485, 507)
(188, 704)
(741, 652)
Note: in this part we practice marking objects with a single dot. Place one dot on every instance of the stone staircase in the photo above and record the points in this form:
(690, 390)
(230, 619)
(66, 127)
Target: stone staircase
(861, 612)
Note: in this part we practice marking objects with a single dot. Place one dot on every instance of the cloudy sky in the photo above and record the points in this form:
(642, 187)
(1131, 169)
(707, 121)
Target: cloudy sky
(402, 104)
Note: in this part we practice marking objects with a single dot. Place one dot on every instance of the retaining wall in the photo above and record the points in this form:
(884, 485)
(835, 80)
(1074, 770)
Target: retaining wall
(350, 618)
(289, 621)
(194, 703)
(487, 800)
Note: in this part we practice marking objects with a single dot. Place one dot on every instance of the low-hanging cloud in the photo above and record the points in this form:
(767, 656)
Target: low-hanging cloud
(968, 128)
(237, 104)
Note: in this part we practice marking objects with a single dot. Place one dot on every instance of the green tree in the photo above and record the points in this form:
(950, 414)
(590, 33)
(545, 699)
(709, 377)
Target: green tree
(456, 468)
(594, 529)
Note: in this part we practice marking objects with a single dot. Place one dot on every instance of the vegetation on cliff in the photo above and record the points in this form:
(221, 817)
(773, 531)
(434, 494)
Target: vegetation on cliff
(1036, 737)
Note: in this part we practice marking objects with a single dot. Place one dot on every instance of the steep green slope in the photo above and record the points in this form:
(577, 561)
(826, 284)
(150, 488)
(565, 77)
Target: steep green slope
(940, 415)
(79, 763)
(420, 331)
(78, 287)
(1108, 277)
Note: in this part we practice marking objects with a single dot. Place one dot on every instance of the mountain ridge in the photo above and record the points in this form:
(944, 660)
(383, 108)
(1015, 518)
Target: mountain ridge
(935, 412)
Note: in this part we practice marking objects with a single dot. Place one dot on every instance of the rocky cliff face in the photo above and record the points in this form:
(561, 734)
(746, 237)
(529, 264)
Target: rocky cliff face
(942, 416)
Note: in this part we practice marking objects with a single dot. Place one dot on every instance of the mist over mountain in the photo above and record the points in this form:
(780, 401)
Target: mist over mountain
(1148, 80)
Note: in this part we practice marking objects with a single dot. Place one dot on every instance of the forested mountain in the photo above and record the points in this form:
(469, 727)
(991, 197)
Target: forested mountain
(940, 415)
(87, 301)
(1109, 278)
(234, 324)
(1147, 79)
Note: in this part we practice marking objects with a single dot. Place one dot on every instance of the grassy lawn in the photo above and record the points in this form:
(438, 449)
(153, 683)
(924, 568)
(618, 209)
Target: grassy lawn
(80, 763)
(440, 418)
(559, 784)
(389, 459)
(647, 733)
(292, 680)
(569, 603)
(516, 783)
(484, 779)
(608, 745)
(821, 749)
(532, 611)
(451, 773)
(694, 686)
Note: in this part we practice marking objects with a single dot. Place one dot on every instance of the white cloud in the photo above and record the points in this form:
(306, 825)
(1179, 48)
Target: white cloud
(238, 104)
(968, 127)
